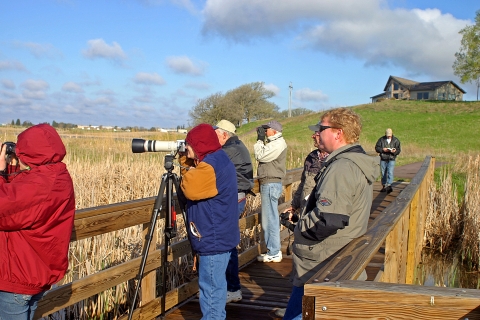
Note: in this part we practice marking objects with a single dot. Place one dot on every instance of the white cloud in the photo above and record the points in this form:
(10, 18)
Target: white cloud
(184, 65)
(149, 79)
(309, 95)
(273, 88)
(35, 85)
(70, 109)
(12, 65)
(419, 41)
(39, 50)
(98, 48)
(35, 89)
(8, 84)
(35, 95)
(72, 87)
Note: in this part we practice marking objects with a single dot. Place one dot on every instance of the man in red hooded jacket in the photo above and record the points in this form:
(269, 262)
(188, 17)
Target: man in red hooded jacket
(37, 211)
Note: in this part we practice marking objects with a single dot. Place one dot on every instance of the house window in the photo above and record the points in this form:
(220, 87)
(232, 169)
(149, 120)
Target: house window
(395, 86)
(451, 96)
(395, 95)
(422, 95)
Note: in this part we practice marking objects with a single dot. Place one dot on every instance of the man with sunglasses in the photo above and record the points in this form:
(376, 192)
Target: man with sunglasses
(338, 209)
(388, 147)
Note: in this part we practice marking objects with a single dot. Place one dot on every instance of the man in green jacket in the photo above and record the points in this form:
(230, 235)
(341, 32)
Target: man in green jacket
(338, 209)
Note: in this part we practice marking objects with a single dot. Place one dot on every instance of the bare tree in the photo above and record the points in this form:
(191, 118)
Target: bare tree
(247, 102)
(252, 101)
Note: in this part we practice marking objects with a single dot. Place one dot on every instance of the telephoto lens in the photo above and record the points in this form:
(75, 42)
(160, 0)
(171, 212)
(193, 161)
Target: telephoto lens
(141, 145)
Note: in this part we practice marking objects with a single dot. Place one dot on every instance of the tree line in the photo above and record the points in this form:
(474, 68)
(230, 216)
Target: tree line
(246, 103)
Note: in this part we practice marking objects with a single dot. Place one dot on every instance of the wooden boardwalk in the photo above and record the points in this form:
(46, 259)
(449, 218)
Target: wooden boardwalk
(266, 286)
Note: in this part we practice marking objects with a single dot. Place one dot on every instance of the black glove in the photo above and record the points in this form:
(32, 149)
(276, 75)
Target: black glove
(261, 133)
(288, 224)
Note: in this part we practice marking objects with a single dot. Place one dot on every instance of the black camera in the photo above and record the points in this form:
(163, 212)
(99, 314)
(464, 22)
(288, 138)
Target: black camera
(9, 147)
(284, 221)
(285, 215)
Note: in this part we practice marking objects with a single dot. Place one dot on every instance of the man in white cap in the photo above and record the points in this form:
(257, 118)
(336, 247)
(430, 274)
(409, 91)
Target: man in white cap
(240, 156)
(271, 157)
(388, 147)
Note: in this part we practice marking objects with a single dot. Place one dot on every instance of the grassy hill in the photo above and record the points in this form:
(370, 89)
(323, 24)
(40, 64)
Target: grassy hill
(439, 128)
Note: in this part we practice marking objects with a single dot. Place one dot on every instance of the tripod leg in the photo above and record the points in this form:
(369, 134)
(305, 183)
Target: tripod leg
(157, 208)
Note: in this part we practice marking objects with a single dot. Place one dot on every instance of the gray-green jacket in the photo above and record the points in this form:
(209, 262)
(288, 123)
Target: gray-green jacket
(337, 210)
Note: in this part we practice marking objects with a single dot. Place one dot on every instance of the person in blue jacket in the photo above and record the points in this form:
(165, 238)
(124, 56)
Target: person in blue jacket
(209, 183)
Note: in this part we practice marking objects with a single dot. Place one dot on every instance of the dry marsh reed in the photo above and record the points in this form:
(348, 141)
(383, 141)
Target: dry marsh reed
(105, 171)
(453, 220)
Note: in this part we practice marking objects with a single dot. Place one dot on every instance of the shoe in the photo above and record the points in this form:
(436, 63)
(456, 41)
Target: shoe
(384, 189)
(234, 296)
(269, 258)
(280, 312)
(389, 189)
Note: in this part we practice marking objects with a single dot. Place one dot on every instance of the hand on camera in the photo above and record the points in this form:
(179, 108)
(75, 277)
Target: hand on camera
(261, 133)
(288, 219)
(288, 224)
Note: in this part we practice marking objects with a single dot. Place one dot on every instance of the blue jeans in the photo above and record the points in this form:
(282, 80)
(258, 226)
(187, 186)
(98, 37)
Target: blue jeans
(387, 172)
(213, 285)
(233, 281)
(270, 192)
(294, 306)
(17, 306)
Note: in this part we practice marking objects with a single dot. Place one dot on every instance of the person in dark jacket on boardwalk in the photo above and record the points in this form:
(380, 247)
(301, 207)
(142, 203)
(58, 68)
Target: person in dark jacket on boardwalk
(388, 147)
(37, 206)
(209, 183)
(238, 153)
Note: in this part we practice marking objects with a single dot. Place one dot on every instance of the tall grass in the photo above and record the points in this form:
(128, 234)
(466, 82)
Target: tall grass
(453, 220)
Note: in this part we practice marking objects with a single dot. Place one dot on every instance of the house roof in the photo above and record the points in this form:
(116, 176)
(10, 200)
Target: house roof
(407, 83)
(430, 86)
(420, 86)
(378, 95)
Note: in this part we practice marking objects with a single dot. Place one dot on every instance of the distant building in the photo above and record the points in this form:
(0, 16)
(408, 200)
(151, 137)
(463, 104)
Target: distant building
(403, 89)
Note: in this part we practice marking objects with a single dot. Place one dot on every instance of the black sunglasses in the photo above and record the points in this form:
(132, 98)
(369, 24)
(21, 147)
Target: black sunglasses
(321, 128)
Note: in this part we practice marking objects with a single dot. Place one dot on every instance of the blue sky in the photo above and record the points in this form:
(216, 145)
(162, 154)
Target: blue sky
(147, 62)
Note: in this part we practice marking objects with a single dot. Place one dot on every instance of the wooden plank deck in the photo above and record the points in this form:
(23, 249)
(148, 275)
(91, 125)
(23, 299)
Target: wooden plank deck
(266, 286)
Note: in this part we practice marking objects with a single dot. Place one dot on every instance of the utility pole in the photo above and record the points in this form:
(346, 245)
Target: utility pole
(290, 101)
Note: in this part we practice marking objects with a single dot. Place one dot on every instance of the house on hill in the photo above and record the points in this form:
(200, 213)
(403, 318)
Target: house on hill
(404, 89)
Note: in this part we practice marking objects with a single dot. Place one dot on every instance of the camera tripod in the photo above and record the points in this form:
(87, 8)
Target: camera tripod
(169, 180)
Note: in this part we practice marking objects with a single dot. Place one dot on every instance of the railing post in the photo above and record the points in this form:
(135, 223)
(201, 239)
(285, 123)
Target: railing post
(288, 192)
(418, 213)
(396, 252)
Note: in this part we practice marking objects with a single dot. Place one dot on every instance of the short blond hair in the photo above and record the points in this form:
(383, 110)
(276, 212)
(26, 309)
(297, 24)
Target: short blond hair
(347, 120)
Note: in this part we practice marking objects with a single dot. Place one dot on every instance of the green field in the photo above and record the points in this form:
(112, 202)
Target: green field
(439, 128)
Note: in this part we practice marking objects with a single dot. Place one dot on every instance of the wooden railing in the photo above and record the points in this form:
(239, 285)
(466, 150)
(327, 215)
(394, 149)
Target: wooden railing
(100, 220)
(333, 294)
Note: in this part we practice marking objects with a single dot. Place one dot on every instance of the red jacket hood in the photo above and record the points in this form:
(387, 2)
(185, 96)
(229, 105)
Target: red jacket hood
(203, 140)
(39, 145)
